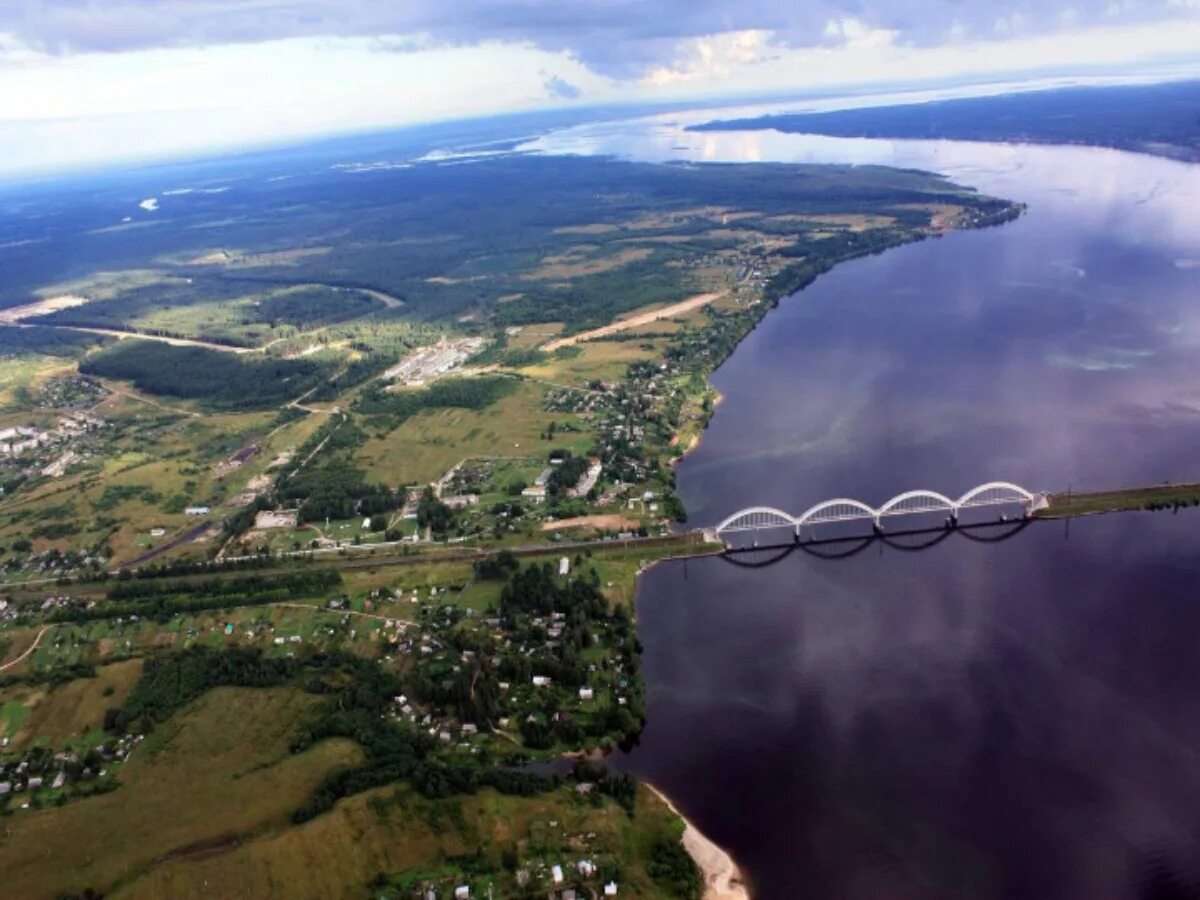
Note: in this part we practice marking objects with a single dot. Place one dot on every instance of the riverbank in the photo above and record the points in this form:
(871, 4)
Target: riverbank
(723, 879)
(1156, 497)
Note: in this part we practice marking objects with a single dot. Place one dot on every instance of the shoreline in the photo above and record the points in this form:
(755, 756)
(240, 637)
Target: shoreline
(771, 301)
(698, 438)
(723, 878)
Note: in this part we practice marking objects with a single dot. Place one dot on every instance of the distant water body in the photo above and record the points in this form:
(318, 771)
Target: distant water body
(1011, 719)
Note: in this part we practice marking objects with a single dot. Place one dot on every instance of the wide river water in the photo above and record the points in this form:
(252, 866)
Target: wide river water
(1016, 719)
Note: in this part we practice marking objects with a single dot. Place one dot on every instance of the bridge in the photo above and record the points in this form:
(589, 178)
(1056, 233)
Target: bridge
(767, 518)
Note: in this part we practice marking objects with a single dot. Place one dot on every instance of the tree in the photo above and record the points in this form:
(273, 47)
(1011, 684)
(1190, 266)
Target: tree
(432, 513)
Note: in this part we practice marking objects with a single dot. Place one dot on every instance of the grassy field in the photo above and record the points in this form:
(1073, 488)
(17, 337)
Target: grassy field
(208, 779)
(597, 361)
(390, 830)
(151, 465)
(1085, 502)
(103, 640)
(430, 443)
(58, 716)
(24, 373)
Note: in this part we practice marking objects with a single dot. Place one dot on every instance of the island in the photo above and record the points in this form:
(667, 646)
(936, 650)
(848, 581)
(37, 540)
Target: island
(1159, 119)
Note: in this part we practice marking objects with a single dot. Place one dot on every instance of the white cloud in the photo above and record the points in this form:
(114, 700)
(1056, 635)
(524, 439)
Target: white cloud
(67, 109)
(856, 55)
(714, 57)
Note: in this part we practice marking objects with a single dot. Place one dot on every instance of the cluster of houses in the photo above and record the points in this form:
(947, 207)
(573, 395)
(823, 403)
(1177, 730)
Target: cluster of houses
(622, 416)
(70, 392)
(534, 639)
(49, 452)
(10, 611)
(21, 439)
(37, 770)
(556, 875)
(553, 875)
(53, 562)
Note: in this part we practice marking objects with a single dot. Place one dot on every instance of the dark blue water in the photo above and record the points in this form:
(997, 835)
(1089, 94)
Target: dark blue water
(1012, 719)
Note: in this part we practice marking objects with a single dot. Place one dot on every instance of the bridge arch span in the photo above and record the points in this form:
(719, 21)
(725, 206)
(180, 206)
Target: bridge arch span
(756, 518)
(842, 509)
(917, 502)
(995, 492)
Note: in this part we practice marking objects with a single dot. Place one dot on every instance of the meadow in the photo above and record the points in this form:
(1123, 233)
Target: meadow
(215, 777)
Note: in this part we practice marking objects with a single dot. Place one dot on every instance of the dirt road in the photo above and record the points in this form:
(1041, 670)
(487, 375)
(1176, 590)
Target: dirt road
(161, 338)
(665, 312)
(28, 650)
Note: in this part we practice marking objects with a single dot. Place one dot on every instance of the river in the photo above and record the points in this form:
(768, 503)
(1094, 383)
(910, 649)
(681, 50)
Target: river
(1012, 719)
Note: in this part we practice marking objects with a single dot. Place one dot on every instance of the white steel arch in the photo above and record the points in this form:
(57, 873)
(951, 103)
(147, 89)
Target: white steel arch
(995, 492)
(755, 518)
(917, 502)
(840, 510)
(844, 509)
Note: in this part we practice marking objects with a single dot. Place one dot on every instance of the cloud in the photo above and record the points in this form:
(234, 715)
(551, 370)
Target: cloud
(561, 89)
(619, 38)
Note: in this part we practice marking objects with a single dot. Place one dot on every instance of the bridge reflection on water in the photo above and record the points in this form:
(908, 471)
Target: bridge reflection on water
(910, 541)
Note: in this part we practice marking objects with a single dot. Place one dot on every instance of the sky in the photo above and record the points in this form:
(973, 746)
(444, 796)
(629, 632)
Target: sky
(88, 82)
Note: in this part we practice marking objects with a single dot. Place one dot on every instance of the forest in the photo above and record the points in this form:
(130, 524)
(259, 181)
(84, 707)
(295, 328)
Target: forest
(219, 379)
(451, 393)
(450, 239)
(49, 341)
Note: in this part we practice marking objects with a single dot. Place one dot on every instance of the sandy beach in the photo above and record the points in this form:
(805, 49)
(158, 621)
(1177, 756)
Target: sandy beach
(723, 880)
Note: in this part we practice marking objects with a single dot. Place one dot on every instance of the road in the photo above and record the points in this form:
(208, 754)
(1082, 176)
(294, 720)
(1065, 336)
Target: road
(665, 312)
(161, 338)
(348, 612)
(28, 650)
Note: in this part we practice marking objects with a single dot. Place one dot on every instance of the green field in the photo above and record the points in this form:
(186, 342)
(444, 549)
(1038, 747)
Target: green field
(220, 774)
(394, 831)
(1157, 497)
